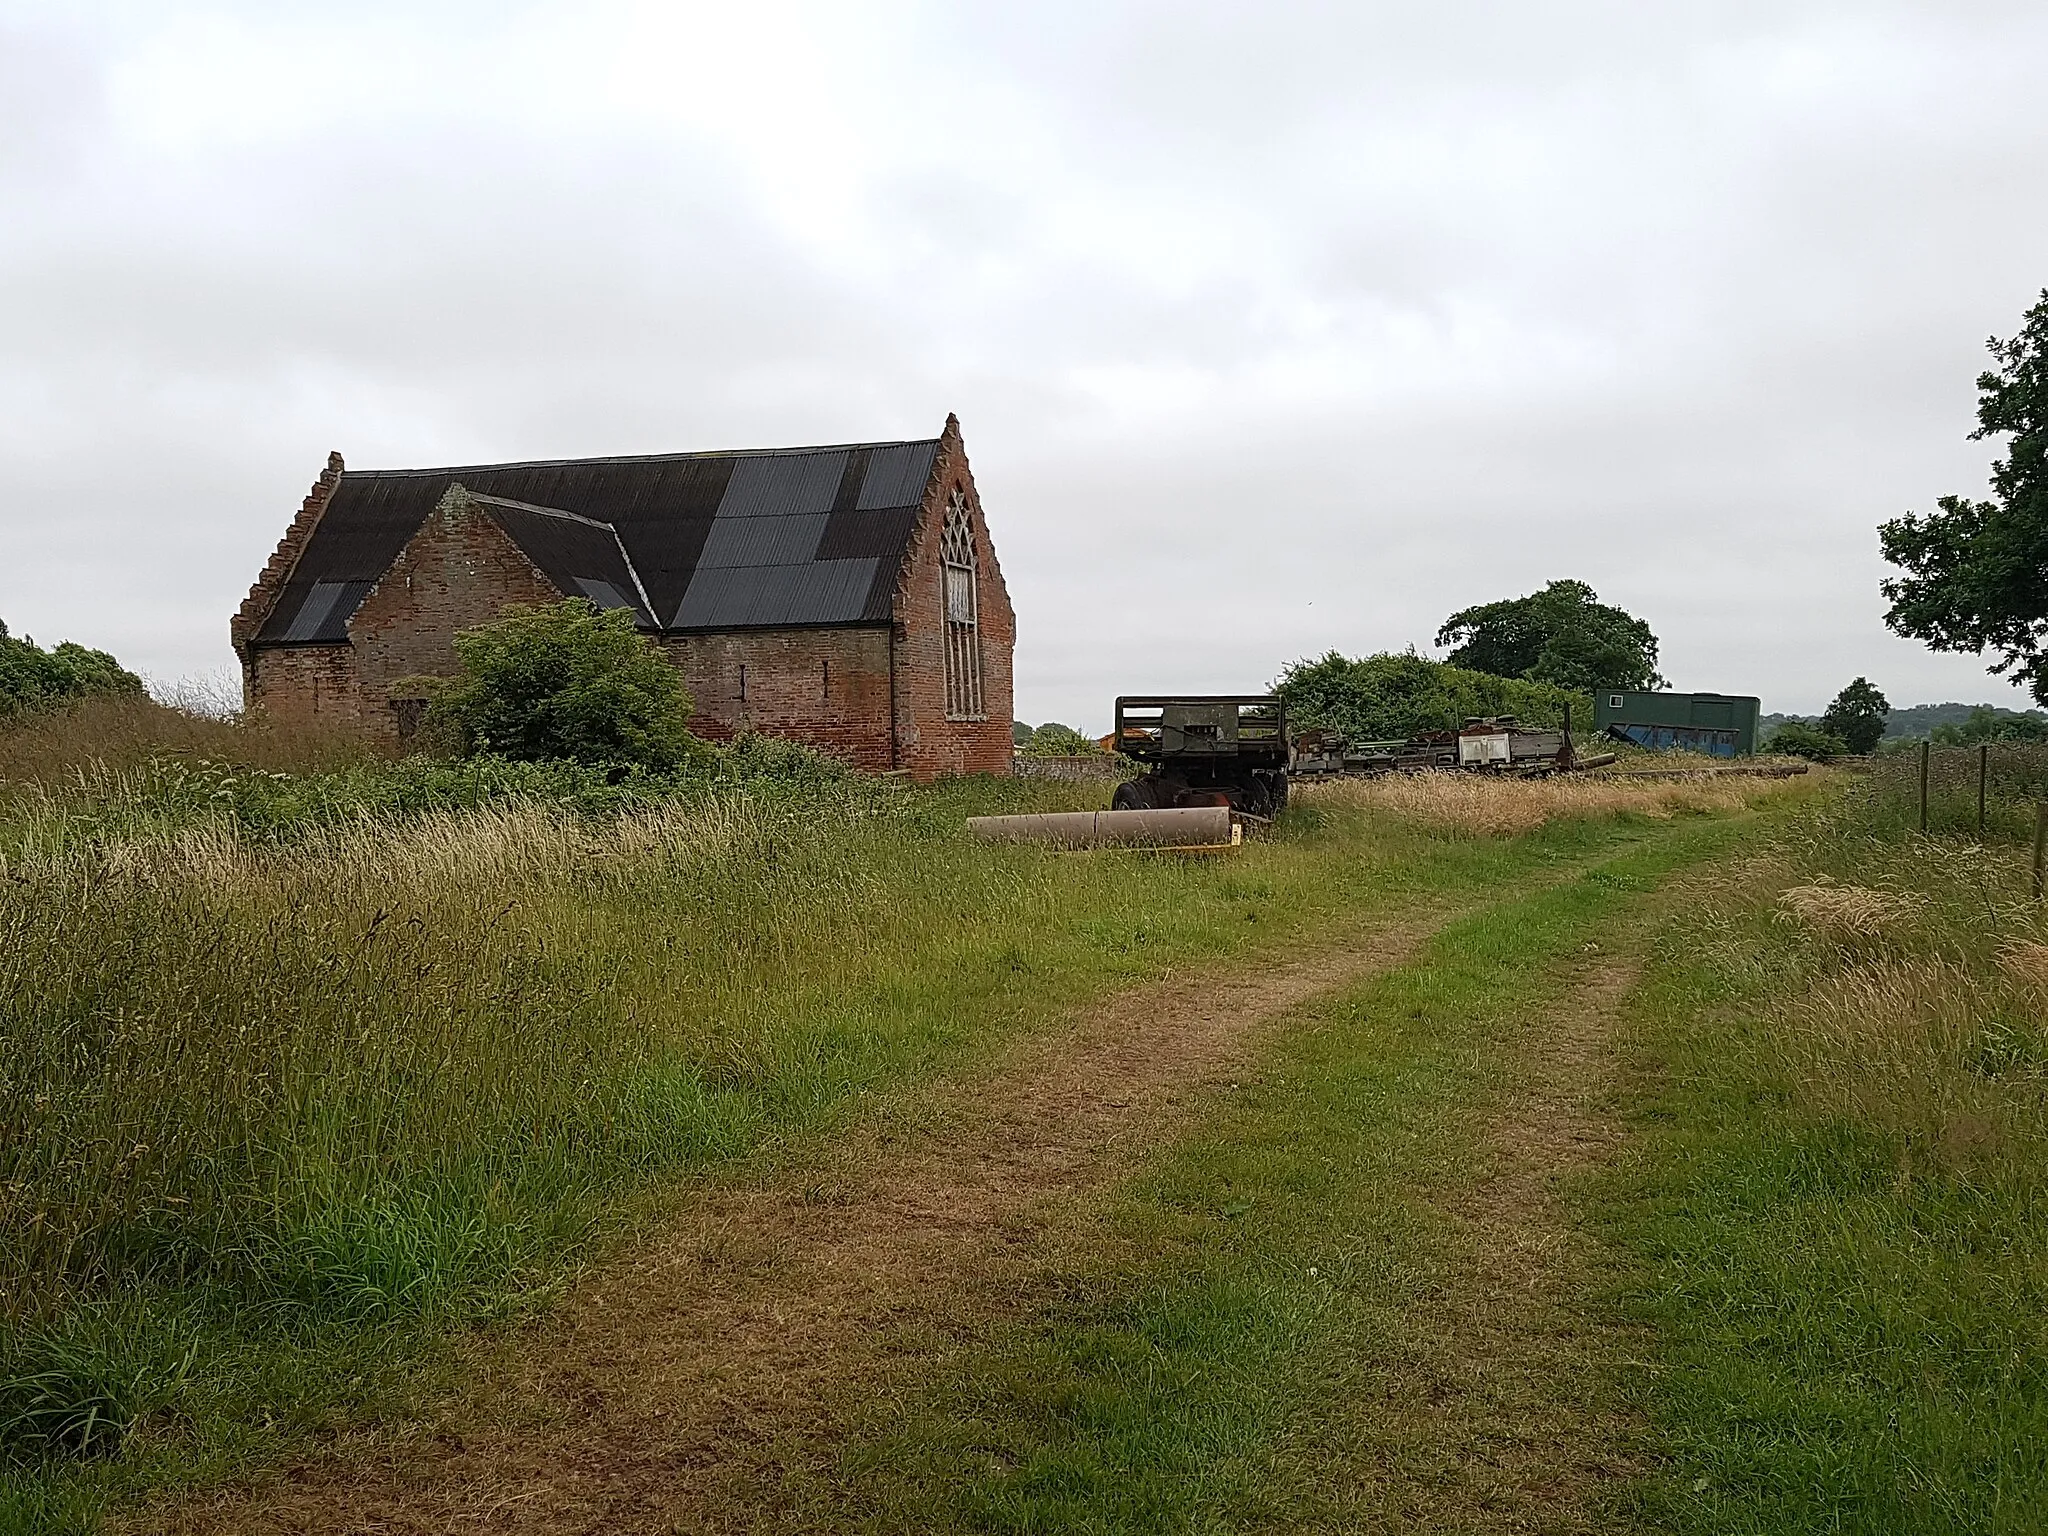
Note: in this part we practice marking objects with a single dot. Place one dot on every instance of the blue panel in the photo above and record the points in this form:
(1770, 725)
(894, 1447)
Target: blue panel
(1677, 738)
(897, 476)
(783, 485)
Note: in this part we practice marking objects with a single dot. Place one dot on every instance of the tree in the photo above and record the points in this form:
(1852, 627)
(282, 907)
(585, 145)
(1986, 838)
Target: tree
(1987, 724)
(1055, 740)
(1977, 571)
(566, 680)
(1795, 738)
(1857, 716)
(33, 678)
(1391, 697)
(1563, 635)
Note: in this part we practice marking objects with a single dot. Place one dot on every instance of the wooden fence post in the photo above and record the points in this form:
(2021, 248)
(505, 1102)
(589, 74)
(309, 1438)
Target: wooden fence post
(1983, 774)
(1925, 747)
(2040, 844)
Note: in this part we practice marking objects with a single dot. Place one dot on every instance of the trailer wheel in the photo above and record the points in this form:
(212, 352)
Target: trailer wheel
(1132, 795)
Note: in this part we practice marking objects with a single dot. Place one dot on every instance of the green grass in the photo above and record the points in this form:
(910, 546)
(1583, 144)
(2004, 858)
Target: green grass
(287, 1098)
(1212, 1356)
(1838, 1211)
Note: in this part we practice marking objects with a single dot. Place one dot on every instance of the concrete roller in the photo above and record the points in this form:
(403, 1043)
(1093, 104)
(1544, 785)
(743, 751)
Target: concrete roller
(1205, 826)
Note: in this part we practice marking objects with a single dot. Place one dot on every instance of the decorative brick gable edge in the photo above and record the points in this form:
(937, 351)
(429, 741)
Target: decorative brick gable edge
(950, 455)
(263, 596)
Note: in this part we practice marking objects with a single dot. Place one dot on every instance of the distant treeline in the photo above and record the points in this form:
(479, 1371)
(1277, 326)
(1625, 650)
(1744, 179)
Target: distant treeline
(1963, 723)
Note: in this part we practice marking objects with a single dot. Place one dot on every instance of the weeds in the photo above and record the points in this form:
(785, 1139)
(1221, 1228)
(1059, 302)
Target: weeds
(1489, 806)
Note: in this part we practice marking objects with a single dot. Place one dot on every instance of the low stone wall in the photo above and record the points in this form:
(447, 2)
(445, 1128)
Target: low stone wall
(1096, 767)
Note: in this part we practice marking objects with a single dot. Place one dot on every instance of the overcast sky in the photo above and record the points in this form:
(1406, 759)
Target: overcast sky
(1272, 327)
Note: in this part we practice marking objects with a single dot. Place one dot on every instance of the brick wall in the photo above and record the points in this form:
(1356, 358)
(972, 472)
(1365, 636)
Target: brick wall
(833, 689)
(269, 584)
(303, 684)
(827, 688)
(930, 744)
(460, 569)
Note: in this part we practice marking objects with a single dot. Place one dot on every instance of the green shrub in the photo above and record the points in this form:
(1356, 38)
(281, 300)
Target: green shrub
(1055, 740)
(33, 678)
(1392, 697)
(566, 681)
(1796, 739)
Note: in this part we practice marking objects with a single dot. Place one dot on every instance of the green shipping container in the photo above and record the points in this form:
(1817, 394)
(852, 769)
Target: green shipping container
(1718, 724)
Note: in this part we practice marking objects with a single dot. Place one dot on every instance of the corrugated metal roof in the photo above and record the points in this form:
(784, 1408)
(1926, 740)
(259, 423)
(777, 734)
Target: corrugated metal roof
(322, 617)
(666, 510)
(737, 597)
(763, 540)
(896, 475)
(784, 486)
(571, 551)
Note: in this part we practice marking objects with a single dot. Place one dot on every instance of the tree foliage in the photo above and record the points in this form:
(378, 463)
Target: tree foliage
(1986, 724)
(566, 680)
(1563, 635)
(1977, 571)
(1055, 740)
(1795, 738)
(1858, 716)
(1391, 697)
(33, 678)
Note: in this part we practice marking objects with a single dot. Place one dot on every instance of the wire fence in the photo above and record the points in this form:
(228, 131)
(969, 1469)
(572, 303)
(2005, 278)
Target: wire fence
(1992, 792)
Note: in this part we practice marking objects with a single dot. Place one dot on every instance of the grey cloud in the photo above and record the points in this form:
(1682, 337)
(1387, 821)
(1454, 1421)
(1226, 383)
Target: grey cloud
(1316, 320)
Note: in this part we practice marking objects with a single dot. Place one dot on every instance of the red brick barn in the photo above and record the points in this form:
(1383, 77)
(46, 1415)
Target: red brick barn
(846, 597)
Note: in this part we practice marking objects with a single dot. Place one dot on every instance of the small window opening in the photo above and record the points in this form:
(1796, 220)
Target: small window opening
(743, 684)
(963, 612)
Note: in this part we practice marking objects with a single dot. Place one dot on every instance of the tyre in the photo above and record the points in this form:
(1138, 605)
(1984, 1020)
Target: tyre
(1132, 795)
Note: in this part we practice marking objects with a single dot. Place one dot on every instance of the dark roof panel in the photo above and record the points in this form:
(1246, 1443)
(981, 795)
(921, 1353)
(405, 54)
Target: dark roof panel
(897, 474)
(737, 597)
(853, 535)
(666, 510)
(784, 485)
(571, 551)
(763, 540)
(322, 618)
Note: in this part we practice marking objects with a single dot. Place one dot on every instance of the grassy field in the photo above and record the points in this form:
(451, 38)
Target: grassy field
(1686, 1180)
(1801, 1292)
(1837, 1201)
(1295, 1327)
(303, 1069)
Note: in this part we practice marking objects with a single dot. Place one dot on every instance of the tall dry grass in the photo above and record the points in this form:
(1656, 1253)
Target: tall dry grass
(53, 747)
(1905, 988)
(1496, 805)
(261, 1091)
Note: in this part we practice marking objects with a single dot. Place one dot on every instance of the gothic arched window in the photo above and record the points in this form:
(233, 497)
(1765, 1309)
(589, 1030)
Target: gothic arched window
(963, 613)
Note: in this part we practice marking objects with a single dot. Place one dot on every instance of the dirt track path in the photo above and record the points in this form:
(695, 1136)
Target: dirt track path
(659, 1397)
(1502, 1413)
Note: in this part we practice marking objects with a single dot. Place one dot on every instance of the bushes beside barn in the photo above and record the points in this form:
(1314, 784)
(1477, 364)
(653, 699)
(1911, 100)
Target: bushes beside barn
(1390, 697)
(32, 678)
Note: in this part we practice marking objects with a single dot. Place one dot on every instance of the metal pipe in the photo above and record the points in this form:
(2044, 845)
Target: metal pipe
(1205, 826)
(1925, 748)
(1983, 775)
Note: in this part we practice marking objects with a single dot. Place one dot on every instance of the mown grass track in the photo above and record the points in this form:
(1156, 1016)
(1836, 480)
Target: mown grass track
(276, 1180)
(1354, 1298)
(913, 1270)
